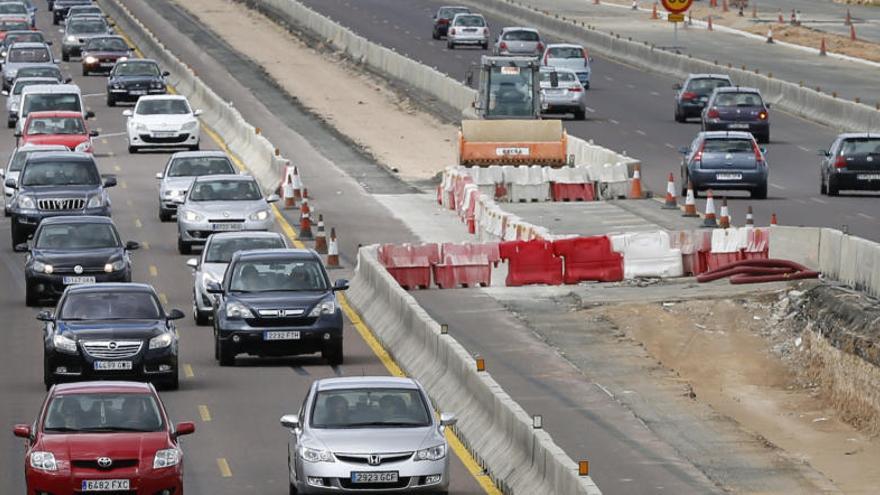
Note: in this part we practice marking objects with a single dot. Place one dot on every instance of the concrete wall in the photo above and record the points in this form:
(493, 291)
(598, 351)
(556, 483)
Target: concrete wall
(493, 426)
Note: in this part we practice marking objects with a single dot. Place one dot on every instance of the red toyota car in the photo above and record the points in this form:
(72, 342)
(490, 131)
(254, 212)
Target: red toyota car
(103, 437)
(64, 128)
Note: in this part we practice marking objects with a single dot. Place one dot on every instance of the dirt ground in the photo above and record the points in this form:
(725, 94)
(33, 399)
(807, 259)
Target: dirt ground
(356, 104)
(724, 349)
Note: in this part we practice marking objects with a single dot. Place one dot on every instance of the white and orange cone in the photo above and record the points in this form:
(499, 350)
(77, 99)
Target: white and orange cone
(773, 220)
(709, 24)
(724, 219)
(321, 237)
(305, 221)
(690, 204)
(635, 191)
(709, 219)
(297, 185)
(654, 14)
(770, 36)
(671, 203)
(287, 191)
(333, 250)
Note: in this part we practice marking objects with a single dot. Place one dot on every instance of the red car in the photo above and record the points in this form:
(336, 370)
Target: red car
(110, 437)
(14, 24)
(64, 128)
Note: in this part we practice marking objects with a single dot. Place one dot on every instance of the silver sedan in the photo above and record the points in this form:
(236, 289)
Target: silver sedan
(221, 203)
(216, 255)
(358, 434)
(562, 93)
(180, 171)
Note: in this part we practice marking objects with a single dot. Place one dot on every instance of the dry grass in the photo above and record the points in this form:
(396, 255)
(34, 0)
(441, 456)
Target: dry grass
(810, 37)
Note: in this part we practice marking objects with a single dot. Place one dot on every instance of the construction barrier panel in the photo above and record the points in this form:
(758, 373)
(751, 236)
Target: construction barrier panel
(526, 184)
(757, 244)
(727, 247)
(531, 262)
(648, 254)
(694, 246)
(589, 258)
(468, 265)
(410, 265)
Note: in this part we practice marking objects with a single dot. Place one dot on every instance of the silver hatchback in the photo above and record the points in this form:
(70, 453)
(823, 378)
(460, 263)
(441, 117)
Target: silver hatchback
(467, 29)
(519, 42)
(180, 172)
(561, 92)
(359, 434)
(221, 203)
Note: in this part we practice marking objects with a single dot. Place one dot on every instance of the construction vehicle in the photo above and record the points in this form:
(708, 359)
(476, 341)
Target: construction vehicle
(509, 130)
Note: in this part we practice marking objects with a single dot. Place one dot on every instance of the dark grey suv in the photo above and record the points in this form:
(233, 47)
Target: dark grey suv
(725, 161)
(54, 184)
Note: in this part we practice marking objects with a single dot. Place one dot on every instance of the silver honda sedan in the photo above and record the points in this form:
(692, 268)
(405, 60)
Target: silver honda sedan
(180, 171)
(211, 266)
(221, 203)
(358, 434)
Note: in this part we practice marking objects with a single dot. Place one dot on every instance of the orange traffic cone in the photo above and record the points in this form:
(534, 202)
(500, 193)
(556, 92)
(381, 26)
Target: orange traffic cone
(852, 32)
(671, 203)
(773, 219)
(709, 220)
(713, 3)
(750, 218)
(305, 222)
(654, 12)
(848, 20)
(333, 251)
(321, 237)
(823, 51)
(754, 11)
(636, 189)
(287, 191)
(770, 35)
(780, 19)
(724, 220)
(297, 185)
(724, 7)
(709, 24)
(690, 204)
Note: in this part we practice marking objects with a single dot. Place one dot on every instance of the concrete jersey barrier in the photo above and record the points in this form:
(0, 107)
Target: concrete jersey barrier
(495, 428)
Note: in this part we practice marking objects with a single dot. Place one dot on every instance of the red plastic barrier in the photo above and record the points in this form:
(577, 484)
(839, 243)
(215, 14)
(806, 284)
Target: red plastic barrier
(531, 262)
(572, 192)
(458, 190)
(716, 260)
(758, 245)
(589, 258)
(409, 265)
(469, 265)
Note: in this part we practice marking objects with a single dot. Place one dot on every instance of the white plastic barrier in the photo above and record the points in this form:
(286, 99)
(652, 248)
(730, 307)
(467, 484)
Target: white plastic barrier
(613, 180)
(526, 183)
(798, 244)
(648, 254)
(487, 178)
(729, 240)
(569, 175)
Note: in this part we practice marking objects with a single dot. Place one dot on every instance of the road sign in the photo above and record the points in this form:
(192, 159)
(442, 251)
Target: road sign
(677, 6)
(675, 17)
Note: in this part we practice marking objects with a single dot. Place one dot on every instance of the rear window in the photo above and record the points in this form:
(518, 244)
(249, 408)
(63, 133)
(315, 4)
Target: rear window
(12, 8)
(566, 52)
(20, 85)
(119, 305)
(221, 250)
(860, 146)
(449, 12)
(197, 166)
(705, 86)
(739, 100)
(563, 77)
(87, 26)
(34, 36)
(521, 36)
(32, 55)
(10, 25)
(52, 102)
(470, 21)
(728, 146)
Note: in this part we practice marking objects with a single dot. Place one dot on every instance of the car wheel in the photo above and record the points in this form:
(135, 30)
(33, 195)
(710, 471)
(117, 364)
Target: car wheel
(333, 353)
(85, 71)
(293, 490)
(172, 383)
(183, 247)
(31, 298)
(164, 215)
(450, 45)
(760, 192)
(225, 354)
(55, 20)
(10, 123)
(823, 189)
(486, 45)
(216, 346)
(435, 34)
(16, 235)
(111, 102)
(194, 147)
(132, 149)
(6, 212)
(833, 188)
(201, 317)
(678, 116)
(580, 115)
(765, 138)
(65, 57)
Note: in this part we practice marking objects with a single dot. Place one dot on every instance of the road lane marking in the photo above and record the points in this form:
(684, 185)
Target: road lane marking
(654, 93)
(776, 186)
(128, 202)
(154, 272)
(103, 141)
(123, 184)
(640, 132)
(204, 413)
(145, 245)
(163, 298)
(864, 215)
(138, 224)
(804, 149)
(223, 466)
(590, 110)
(117, 169)
(188, 371)
(613, 121)
(819, 200)
(669, 146)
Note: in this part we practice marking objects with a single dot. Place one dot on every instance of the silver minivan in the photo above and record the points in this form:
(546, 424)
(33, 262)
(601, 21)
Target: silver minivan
(51, 97)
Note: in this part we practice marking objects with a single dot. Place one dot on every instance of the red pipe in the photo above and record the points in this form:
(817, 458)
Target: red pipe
(759, 270)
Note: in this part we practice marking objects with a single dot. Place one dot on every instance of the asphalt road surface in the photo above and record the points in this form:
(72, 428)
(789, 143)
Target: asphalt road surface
(631, 110)
(239, 446)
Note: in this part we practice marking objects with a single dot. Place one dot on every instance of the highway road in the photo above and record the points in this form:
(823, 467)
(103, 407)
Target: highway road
(239, 446)
(631, 110)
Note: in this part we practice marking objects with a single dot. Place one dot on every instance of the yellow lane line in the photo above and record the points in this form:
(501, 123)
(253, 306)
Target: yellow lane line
(224, 467)
(123, 184)
(188, 371)
(204, 413)
(163, 298)
(117, 168)
(137, 223)
(154, 272)
(145, 245)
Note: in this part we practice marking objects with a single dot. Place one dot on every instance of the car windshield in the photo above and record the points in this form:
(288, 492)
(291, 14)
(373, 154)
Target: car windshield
(55, 125)
(28, 55)
(225, 190)
(107, 45)
(110, 305)
(86, 26)
(562, 76)
(174, 106)
(449, 12)
(13, 25)
(860, 146)
(705, 86)
(52, 72)
(197, 166)
(370, 408)
(278, 275)
(29, 37)
(20, 85)
(52, 102)
(728, 146)
(221, 250)
(738, 100)
(136, 69)
(12, 8)
(102, 412)
(63, 173)
(566, 52)
(470, 21)
(77, 236)
(521, 36)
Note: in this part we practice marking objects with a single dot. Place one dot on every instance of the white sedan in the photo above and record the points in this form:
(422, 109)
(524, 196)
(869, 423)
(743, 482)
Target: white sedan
(162, 121)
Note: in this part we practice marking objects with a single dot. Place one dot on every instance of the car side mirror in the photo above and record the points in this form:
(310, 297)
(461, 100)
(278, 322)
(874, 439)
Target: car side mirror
(94, 133)
(767, 105)
(22, 431)
(159, 175)
(11, 183)
(763, 151)
(290, 421)
(184, 428)
(109, 181)
(341, 284)
(2, 172)
(45, 315)
(823, 153)
(4, 93)
(165, 73)
(192, 263)
(127, 113)
(683, 150)
(68, 80)
(17, 134)
(90, 114)
(447, 419)
(132, 245)
(197, 112)
(21, 247)
(175, 314)
(213, 288)
(49, 42)
(273, 198)
(676, 86)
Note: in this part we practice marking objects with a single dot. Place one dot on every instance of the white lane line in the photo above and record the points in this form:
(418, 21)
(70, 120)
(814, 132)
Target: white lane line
(613, 121)
(640, 132)
(669, 146)
(866, 216)
(90, 95)
(631, 86)
(607, 392)
(802, 148)
(654, 93)
(800, 201)
(776, 186)
(609, 78)
(590, 110)
(114, 134)
(819, 200)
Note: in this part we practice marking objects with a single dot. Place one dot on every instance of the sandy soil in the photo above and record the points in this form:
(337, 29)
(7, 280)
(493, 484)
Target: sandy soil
(356, 104)
(718, 348)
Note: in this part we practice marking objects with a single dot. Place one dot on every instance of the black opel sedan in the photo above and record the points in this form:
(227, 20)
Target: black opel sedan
(74, 250)
(110, 331)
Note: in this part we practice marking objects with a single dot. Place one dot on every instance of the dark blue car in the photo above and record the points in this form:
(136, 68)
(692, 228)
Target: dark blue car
(724, 160)
(277, 302)
(737, 109)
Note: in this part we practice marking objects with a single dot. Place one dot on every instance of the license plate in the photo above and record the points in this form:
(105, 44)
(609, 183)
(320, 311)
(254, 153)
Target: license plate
(376, 477)
(728, 176)
(511, 152)
(112, 365)
(164, 134)
(281, 335)
(868, 176)
(738, 126)
(104, 485)
(78, 280)
(224, 227)
(555, 92)
(138, 92)
(470, 30)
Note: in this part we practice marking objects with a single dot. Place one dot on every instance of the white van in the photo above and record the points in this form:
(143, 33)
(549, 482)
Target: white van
(51, 98)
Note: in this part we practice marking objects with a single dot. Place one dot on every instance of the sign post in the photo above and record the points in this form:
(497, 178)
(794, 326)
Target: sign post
(676, 9)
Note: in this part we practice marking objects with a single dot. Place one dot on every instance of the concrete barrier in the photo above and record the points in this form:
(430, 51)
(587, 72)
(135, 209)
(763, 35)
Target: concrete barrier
(493, 426)
(798, 244)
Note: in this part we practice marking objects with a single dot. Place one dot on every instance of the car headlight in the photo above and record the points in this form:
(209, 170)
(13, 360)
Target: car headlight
(325, 307)
(64, 344)
(44, 461)
(207, 277)
(117, 85)
(26, 203)
(11, 74)
(238, 310)
(39, 266)
(190, 126)
(95, 201)
(259, 216)
(157, 85)
(83, 146)
(161, 341)
(122, 59)
(71, 39)
(315, 455)
(115, 266)
(166, 458)
(141, 128)
(432, 453)
(171, 193)
(191, 216)
(91, 60)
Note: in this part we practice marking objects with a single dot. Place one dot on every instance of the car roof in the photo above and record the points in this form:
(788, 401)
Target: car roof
(564, 45)
(550, 68)
(42, 66)
(365, 382)
(53, 113)
(468, 14)
(107, 36)
(279, 253)
(29, 44)
(708, 76)
(111, 287)
(42, 147)
(202, 153)
(52, 88)
(454, 7)
(161, 97)
(140, 61)
(22, 31)
(102, 386)
(517, 28)
(206, 178)
(730, 134)
(47, 80)
(76, 219)
(736, 89)
(64, 155)
(243, 235)
(853, 135)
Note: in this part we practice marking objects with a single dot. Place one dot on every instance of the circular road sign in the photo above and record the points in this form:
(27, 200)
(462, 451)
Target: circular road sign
(677, 6)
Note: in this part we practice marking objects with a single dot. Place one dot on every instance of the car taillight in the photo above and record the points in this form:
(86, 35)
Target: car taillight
(503, 46)
(840, 162)
(762, 115)
(713, 113)
(698, 156)
(688, 96)
(443, 21)
(486, 32)
(759, 157)
(540, 46)
(452, 31)
(576, 89)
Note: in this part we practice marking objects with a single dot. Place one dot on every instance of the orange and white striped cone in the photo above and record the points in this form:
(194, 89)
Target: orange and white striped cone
(724, 219)
(321, 237)
(305, 221)
(852, 32)
(635, 191)
(297, 185)
(750, 217)
(754, 11)
(333, 250)
(654, 14)
(635, 4)
(690, 204)
(724, 7)
(288, 192)
(671, 203)
(780, 19)
(709, 220)
(770, 36)
(773, 220)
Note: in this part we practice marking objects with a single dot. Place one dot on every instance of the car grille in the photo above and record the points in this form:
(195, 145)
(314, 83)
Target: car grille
(346, 483)
(131, 86)
(277, 322)
(157, 140)
(85, 270)
(61, 204)
(93, 464)
(112, 349)
(365, 458)
(226, 220)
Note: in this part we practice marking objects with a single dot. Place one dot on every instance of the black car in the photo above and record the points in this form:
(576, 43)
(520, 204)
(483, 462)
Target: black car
(276, 302)
(851, 163)
(131, 79)
(691, 97)
(737, 109)
(725, 160)
(110, 331)
(59, 8)
(102, 53)
(443, 17)
(55, 184)
(74, 250)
